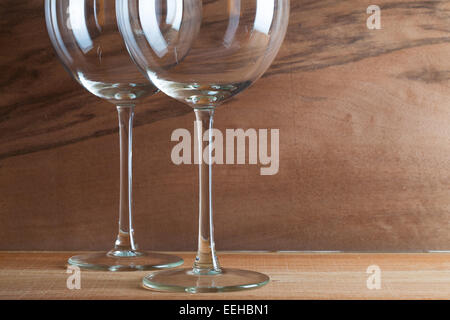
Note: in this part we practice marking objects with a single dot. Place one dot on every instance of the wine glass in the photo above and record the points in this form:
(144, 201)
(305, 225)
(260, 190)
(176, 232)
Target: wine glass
(202, 53)
(86, 38)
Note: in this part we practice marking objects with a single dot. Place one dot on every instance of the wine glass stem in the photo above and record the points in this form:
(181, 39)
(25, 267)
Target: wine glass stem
(125, 239)
(206, 261)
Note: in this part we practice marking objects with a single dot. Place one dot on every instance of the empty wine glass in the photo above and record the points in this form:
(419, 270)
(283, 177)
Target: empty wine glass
(202, 53)
(86, 38)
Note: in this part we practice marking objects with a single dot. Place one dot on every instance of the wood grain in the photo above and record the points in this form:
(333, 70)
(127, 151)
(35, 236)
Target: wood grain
(364, 142)
(42, 275)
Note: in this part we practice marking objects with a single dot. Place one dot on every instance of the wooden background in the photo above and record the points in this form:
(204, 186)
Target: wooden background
(364, 119)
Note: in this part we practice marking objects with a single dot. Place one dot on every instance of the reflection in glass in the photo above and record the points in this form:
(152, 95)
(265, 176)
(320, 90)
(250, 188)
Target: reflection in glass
(218, 50)
(87, 40)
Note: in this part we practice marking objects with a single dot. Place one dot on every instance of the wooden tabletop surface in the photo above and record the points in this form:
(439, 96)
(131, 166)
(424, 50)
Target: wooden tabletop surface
(42, 275)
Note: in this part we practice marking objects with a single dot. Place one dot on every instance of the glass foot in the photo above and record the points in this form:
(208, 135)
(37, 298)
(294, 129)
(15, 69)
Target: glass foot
(125, 261)
(185, 280)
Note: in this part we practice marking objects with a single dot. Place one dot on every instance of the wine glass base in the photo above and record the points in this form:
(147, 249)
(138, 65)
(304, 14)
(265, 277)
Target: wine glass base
(185, 280)
(128, 261)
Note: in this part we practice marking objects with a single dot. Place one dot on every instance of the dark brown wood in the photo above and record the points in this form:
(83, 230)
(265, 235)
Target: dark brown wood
(363, 118)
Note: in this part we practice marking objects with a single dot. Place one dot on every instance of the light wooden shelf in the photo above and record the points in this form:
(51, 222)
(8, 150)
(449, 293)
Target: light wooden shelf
(42, 275)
